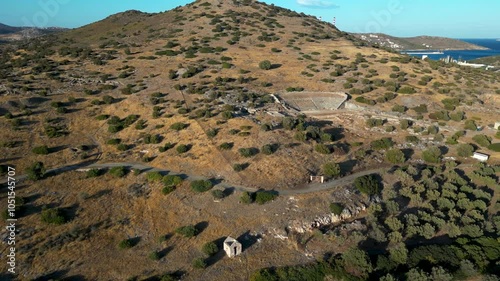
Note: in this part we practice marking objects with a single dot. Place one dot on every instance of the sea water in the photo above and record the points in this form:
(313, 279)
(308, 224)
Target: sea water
(465, 55)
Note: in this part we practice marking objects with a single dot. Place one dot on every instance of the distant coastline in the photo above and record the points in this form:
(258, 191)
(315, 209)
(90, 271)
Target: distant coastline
(491, 47)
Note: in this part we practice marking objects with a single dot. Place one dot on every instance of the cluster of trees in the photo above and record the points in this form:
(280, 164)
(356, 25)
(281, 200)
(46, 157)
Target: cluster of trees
(116, 124)
(426, 202)
(260, 197)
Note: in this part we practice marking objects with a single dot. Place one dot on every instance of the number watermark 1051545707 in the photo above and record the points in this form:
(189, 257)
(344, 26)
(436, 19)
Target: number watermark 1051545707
(11, 220)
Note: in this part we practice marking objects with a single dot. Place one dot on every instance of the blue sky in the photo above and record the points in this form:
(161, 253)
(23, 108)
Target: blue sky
(455, 19)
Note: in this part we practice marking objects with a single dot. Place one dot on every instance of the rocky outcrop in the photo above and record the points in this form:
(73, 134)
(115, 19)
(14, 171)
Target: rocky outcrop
(326, 220)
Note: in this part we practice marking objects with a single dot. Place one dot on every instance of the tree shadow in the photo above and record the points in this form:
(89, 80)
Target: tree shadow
(9, 159)
(73, 110)
(247, 240)
(228, 191)
(101, 193)
(28, 122)
(74, 278)
(135, 240)
(341, 149)
(117, 100)
(444, 150)
(201, 226)
(215, 258)
(55, 275)
(215, 181)
(163, 253)
(347, 167)
(408, 152)
(275, 65)
(219, 255)
(292, 145)
(68, 168)
(337, 133)
(57, 148)
(322, 123)
(69, 213)
(33, 101)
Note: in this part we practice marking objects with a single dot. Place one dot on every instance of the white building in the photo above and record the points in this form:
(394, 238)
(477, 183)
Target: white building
(232, 247)
(497, 125)
(481, 156)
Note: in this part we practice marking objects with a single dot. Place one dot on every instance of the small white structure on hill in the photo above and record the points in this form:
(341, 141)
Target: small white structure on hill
(232, 247)
(481, 156)
(497, 125)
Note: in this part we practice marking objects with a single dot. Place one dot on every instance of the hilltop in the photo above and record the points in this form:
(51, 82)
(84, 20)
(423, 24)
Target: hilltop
(145, 137)
(417, 43)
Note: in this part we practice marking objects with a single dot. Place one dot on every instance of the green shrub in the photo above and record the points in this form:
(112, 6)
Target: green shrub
(53, 216)
(331, 170)
(182, 148)
(365, 100)
(212, 132)
(218, 194)
(268, 149)
(494, 147)
(102, 117)
(383, 143)
(167, 190)
(248, 152)
(172, 180)
(432, 155)
(336, 208)
(247, 198)
(122, 147)
(412, 139)
(93, 173)
(395, 156)
(154, 176)
(178, 126)
(166, 147)
(199, 263)
(62, 110)
(108, 99)
(482, 140)
(399, 108)
(322, 148)
(41, 150)
(201, 185)
(118, 172)
(372, 122)
(405, 124)
(154, 256)
(420, 108)
(465, 150)
(265, 65)
(114, 141)
(432, 130)
(151, 139)
(470, 125)
(36, 171)
(187, 231)
(457, 116)
(226, 146)
(239, 167)
(126, 244)
(210, 249)
(262, 197)
(368, 184)
(407, 90)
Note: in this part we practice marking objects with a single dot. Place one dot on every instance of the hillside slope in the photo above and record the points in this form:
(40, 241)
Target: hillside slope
(417, 43)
